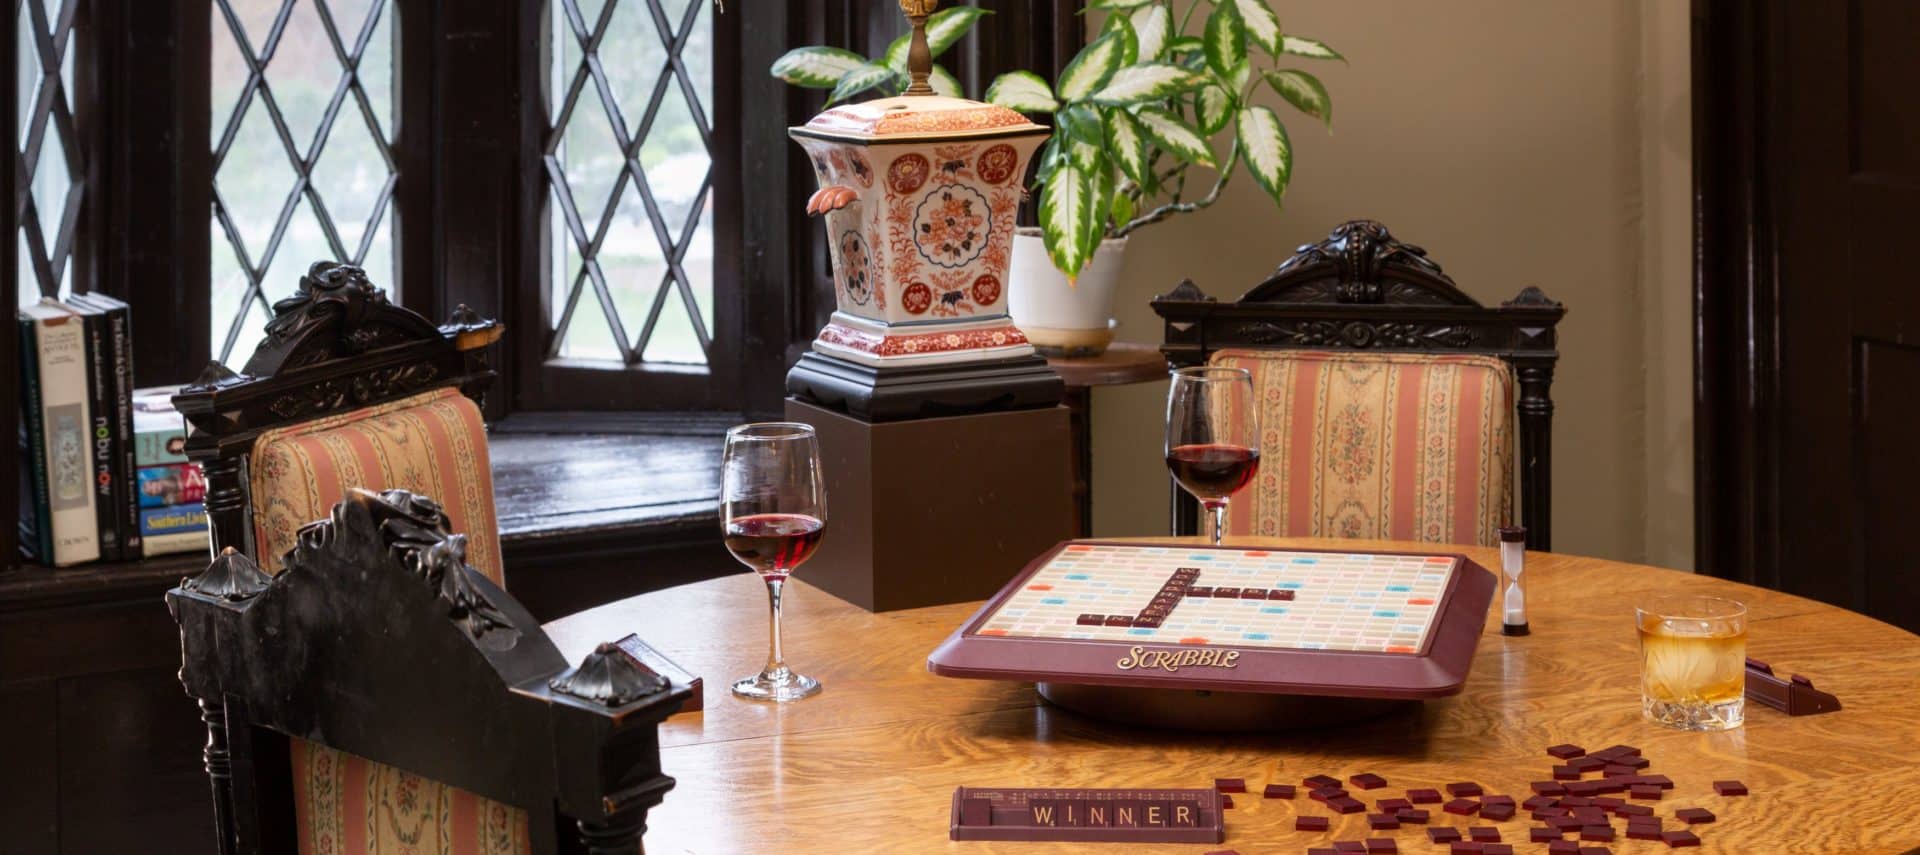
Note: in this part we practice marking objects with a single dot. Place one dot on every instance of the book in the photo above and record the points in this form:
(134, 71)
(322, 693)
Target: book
(173, 519)
(100, 421)
(159, 431)
(179, 484)
(126, 496)
(60, 351)
(172, 544)
(36, 537)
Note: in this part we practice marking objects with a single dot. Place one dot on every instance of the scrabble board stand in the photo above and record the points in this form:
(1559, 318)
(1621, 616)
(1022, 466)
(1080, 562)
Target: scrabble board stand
(1225, 638)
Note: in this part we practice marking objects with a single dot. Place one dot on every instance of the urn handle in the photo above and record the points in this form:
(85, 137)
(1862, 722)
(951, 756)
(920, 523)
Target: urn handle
(832, 197)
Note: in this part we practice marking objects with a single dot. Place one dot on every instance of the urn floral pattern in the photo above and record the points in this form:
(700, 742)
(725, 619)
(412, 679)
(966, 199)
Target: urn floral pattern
(919, 195)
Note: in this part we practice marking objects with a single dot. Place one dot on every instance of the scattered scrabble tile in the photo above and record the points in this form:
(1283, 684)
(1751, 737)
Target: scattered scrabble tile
(1566, 773)
(1546, 813)
(1694, 816)
(1661, 781)
(1230, 785)
(1631, 811)
(1597, 833)
(1411, 816)
(1496, 812)
(1566, 751)
(1547, 788)
(1677, 839)
(1538, 802)
(1484, 834)
(1463, 807)
(1311, 823)
(1424, 797)
(1464, 788)
(1443, 835)
(1367, 781)
(1613, 751)
(1643, 832)
(1320, 782)
(1730, 788)
(1349, 846)
(1465, 846)
(1615, 770)
(1635, 762)
(1382, 844)
(1382, 821)
(1647, 792)
(1543, 834)
(1278, 791)
(1496, 800)
(1345, 805)
(1392, 805)
(1566, 823)
(1324, 793)
(1563, 847)
(1496, 849)
(1576, 801)
(1226, 801)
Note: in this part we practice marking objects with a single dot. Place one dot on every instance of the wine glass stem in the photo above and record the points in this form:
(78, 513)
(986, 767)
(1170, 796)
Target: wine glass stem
(1216, 519)
(776, 662)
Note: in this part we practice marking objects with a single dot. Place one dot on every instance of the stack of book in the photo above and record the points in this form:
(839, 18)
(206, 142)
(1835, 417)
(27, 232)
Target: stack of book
(84, 443)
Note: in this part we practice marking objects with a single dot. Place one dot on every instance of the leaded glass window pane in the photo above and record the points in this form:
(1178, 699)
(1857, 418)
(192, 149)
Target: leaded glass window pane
(49, 157)
(303, 117)
(629, 169)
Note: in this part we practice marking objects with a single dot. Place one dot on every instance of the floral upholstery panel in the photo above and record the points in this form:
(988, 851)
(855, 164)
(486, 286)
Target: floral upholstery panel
(1399, 446)
(433, 443)
(349, 805)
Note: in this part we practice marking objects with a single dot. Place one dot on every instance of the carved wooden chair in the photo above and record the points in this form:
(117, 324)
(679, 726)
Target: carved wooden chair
(346, 390)
(378, 640)
(1386, 395)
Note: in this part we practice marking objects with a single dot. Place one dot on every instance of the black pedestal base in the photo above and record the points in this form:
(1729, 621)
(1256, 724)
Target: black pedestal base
(896, 394)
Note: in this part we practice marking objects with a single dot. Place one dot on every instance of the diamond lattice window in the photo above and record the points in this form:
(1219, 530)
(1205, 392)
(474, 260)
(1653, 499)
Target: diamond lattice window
(48, 163)
(302, 157)
(628, 157)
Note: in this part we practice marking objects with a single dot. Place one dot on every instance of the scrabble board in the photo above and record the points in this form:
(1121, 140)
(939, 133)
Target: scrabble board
(1342, 624)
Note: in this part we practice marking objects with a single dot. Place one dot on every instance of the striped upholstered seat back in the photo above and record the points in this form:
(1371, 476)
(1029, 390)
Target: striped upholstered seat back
(1400, 446)
(434, 444)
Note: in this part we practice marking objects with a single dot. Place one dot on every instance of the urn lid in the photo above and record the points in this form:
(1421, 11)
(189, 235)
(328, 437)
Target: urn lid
(913, 117)
(918, 114)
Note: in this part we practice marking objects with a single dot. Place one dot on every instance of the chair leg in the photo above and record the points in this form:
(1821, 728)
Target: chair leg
(219, 760)
(619, 835)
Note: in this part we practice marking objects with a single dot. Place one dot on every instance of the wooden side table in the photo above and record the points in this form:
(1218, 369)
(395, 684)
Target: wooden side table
(1124, 362)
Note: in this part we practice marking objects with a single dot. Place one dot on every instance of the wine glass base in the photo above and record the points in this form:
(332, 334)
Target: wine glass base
(779, 690)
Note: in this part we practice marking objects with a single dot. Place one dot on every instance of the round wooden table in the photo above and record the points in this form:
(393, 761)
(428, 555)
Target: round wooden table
(1123, 363)
(871, 762)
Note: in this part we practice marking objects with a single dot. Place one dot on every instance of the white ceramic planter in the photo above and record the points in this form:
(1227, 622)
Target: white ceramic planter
(1058, 318)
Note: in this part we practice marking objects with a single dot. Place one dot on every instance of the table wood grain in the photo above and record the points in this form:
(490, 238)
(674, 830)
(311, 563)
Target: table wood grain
(873, 760)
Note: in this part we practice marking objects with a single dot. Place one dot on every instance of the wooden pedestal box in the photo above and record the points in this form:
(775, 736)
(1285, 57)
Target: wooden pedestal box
(941, 510)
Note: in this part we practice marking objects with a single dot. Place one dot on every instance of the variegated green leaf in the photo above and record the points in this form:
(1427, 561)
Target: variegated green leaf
(1214, 108)
(1090, 69)
(1304, 91)
(1176, 136)
(816, 67)
(1050, 158)
(1129, 40)
(1148, 81)
(1065, 207)
(1122, 208)
(1263, 26)
(1226, 39)
(1129, 145)
(1101, 181)
(943, 29)
(1117, 5)
(860, 80)
(951, 24)
(1263, 140)
(1185, 44)
(944, 83)
(1312, 48)
(1023, 91)
(1084, 154)
(1150, 26)
(1082, 122)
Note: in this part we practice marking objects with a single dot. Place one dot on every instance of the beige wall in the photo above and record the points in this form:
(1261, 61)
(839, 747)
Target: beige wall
(1521, 142)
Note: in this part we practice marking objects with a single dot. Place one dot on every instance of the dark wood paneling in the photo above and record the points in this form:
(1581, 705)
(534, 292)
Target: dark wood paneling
(1886, 469)
(129, 746)
(29, 801)
(1808, 321)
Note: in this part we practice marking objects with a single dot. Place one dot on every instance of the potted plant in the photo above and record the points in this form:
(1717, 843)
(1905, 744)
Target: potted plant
(1133, 112)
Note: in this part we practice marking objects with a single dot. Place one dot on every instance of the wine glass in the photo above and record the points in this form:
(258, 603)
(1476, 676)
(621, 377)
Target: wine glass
(1213, 437)
(773, 510)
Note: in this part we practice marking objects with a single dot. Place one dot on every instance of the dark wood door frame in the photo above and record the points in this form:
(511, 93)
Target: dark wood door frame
(1737, 424)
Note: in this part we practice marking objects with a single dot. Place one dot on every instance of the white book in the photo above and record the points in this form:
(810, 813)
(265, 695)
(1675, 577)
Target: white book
(60, 341)
(170, 544)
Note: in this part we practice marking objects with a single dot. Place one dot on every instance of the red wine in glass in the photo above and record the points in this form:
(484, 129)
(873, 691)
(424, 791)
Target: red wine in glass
(1213, 470)
(773, 544)
(1213, 437)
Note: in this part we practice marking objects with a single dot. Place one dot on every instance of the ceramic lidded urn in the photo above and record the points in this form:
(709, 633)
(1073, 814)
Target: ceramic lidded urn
(919, 193)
